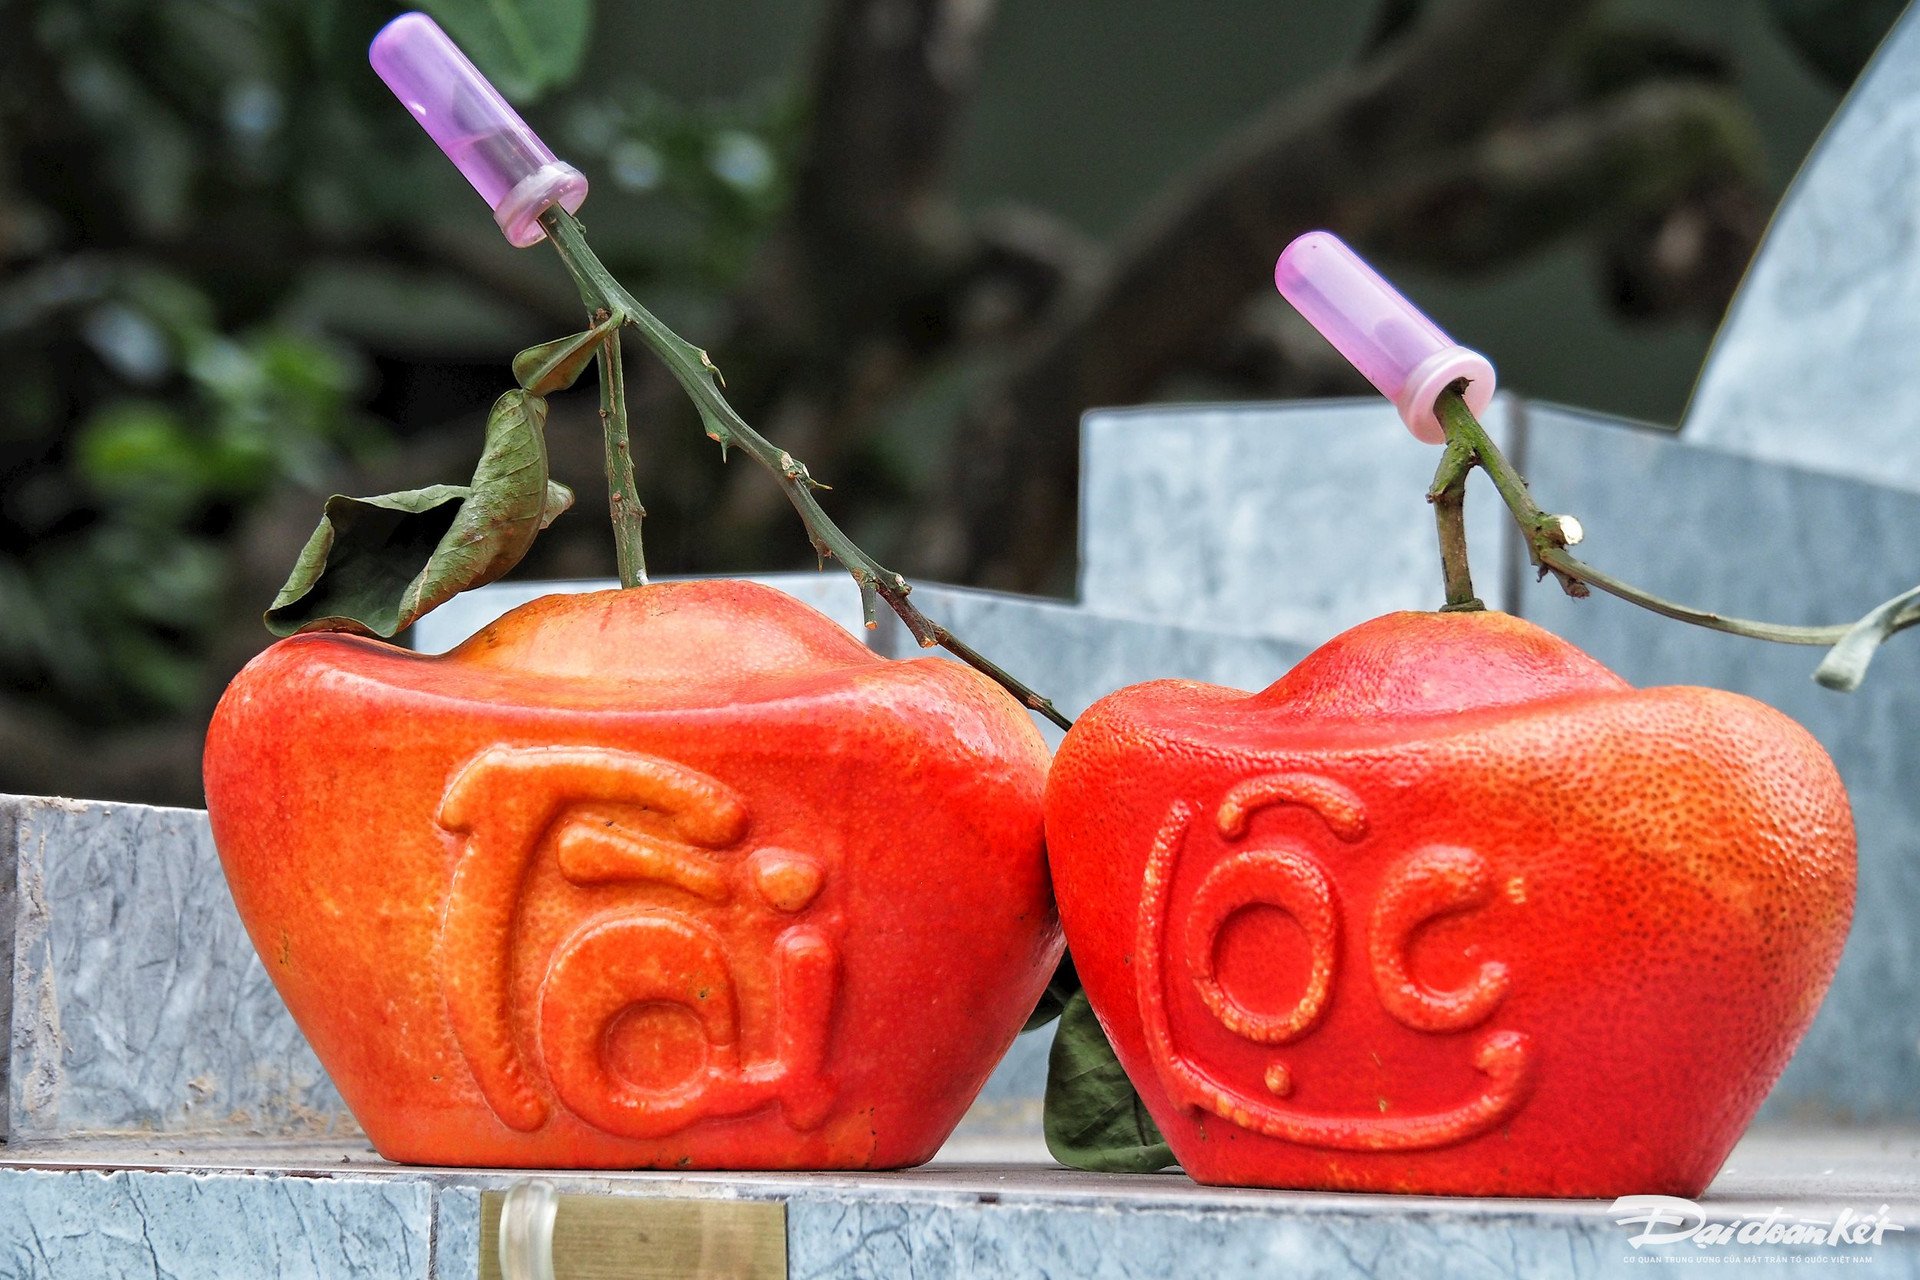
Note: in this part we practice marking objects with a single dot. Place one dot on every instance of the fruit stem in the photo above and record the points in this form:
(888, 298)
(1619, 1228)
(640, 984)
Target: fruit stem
(698, 378)
(623, 496)
(1548, 536)
(1448, 495)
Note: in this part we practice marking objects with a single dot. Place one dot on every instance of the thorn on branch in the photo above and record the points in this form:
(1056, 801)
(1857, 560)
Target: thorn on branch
(794, 469)
(1568, 583)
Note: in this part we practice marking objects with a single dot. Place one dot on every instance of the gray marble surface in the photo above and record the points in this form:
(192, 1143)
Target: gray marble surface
(966, 1220)
(1009, 1103)
(83, 1225)
(885, 1241)
(9, 909)
(1294, 520)
(1815, 363)
(1076, 654)
(456, 1234)
(137, 1000)
(1759, 540)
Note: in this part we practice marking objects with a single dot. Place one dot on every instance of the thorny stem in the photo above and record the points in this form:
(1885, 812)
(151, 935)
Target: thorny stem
(1449, 497)
(1548, 536)
(697, 376)
(623, 496)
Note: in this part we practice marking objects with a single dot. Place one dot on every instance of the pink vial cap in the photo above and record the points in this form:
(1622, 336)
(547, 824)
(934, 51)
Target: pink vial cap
(1398, 350)
(486, 139)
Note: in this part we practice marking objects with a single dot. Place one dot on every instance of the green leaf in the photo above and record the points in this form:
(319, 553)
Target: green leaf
(364, 561)
(524, 46)
(557, 365)
(1845, 665)
(376, 565)
(1060, 988)
(1094, 1119)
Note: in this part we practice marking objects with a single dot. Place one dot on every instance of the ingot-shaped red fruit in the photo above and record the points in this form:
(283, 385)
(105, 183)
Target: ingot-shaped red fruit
(677, 876)
(1450, 909)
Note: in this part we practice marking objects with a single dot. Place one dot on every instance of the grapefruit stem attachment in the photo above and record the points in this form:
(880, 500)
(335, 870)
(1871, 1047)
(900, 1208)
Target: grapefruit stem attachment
(623, 495)
(1548, 536)
(1449, 498)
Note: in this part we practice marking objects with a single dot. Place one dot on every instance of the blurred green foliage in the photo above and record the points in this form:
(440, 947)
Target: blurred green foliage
(218, 234)
(121, 557)
(152, 404)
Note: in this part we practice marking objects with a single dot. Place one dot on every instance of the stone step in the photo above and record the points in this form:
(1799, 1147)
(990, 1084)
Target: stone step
(137, 1002)
(329, 1208)
(1299, 519)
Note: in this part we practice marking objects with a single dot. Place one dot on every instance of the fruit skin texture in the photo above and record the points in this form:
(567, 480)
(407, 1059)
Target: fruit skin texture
(680, 876)
(1550, 935)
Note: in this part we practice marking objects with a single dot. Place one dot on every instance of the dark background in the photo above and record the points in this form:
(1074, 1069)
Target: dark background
(919, 236)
